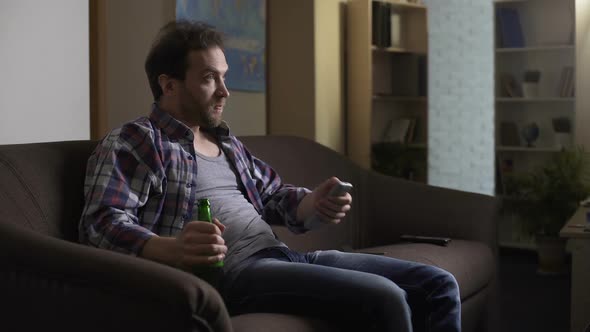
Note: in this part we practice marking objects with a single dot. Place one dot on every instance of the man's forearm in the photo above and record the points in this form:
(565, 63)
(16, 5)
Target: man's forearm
(162, 250)
(305, 208)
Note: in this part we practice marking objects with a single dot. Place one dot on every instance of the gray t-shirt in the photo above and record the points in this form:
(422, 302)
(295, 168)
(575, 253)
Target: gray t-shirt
(246, 232)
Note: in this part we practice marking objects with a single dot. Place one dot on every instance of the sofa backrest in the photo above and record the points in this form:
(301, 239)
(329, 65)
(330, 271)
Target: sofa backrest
(303, 162)
(41, 184)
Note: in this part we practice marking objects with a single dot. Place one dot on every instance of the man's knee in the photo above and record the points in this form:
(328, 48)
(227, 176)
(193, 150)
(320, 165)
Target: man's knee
(446, 283)
(388, 293)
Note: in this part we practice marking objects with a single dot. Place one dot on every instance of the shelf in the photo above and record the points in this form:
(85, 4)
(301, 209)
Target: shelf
(417, 146)
(526, 149)
(396, 50)
(398, 98)
(405, 5)
(534, 48)
(534, 100)
(509, 1)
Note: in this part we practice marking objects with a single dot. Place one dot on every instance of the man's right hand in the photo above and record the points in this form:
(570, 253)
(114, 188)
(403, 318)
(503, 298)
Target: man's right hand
(199, 243)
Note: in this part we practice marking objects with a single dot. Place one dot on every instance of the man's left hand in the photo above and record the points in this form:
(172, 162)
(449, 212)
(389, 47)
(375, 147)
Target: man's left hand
(329, 209)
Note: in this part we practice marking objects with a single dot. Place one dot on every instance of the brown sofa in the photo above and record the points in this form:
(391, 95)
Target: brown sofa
(50, 282)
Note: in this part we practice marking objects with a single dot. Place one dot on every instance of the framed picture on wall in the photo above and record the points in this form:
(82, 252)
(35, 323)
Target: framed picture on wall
(244, 25)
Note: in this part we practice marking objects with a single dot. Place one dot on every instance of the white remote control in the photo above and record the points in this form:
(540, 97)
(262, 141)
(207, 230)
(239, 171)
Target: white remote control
(339, 189)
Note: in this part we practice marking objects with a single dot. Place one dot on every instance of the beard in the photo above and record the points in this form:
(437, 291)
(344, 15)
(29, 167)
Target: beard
(203, 115)
(208, 118)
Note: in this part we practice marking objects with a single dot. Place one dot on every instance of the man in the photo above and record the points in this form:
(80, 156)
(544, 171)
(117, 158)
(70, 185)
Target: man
(144, 180)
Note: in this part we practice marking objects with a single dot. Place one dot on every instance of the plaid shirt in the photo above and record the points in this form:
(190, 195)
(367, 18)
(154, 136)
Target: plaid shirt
(140, 181)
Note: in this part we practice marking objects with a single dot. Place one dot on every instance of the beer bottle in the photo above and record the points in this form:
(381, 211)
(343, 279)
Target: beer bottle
(205, 215)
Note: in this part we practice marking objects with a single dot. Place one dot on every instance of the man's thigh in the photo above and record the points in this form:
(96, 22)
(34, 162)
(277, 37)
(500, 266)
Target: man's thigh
(273, 285)
(406, 274)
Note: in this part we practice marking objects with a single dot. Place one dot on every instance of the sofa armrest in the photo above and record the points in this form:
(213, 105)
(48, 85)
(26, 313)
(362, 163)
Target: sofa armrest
(49, 283)
(396, 206)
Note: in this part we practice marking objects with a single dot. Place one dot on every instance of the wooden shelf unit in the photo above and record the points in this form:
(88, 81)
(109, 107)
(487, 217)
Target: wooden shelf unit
(548, 48)
(367, 65)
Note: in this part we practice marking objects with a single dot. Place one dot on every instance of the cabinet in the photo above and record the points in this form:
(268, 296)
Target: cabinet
(535, 87)
(386, 85)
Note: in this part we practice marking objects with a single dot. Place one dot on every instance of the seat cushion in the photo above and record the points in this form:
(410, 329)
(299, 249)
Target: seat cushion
(271, 322)
(471, 263)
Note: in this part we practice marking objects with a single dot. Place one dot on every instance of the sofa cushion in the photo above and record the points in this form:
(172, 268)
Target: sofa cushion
(261, 322)
(471, 263)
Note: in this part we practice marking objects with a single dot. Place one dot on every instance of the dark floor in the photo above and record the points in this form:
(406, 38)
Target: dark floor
(530, 301)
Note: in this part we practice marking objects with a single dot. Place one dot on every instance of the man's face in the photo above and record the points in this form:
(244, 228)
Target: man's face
(203, 93)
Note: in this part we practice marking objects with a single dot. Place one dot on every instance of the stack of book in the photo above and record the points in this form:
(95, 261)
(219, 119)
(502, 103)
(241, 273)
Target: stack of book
(566, 83)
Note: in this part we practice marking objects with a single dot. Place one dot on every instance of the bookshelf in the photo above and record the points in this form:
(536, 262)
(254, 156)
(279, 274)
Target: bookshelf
(546, 48)
(386, 84)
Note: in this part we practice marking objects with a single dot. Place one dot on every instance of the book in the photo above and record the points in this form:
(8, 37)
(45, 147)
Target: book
(376, 23)
(509, 27)
(395, 28)
(400, 130)
(566, 84)
(381, 24)
(562, 82)
(396, 131)
(386, 35)
(571, 83)
(411, 134)
(510, 86)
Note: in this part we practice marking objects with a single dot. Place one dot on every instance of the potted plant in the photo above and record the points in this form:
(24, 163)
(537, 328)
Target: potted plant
(546, 198)
(398, 160)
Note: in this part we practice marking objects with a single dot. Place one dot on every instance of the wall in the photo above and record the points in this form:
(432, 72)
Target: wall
(44, 91)
(329, 78)
(291, 68)
(128, 42)
(131, 27)
(582, 134)
(305, 70)
(461, 101)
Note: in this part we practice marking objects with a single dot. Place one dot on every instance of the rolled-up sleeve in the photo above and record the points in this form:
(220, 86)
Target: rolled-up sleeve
(118, 183)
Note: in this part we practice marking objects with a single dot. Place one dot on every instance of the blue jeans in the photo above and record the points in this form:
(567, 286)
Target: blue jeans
(380, 293)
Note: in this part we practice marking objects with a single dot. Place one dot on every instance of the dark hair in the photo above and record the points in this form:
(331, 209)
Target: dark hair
(169, 52)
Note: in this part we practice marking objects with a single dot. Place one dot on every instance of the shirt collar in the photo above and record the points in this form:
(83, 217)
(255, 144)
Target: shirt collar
(176, 129)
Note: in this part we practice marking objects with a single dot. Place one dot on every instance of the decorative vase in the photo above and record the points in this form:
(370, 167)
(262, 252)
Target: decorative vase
(530, 133)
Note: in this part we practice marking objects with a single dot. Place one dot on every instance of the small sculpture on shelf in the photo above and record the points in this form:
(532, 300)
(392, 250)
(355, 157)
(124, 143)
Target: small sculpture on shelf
(530, 133)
